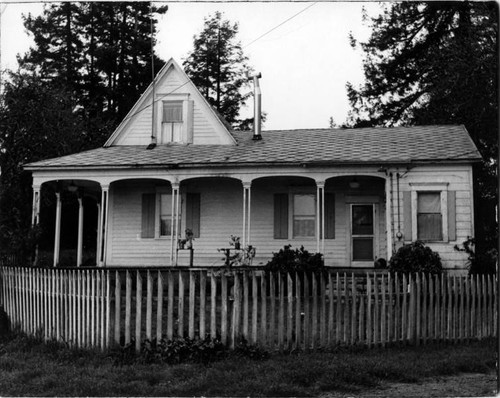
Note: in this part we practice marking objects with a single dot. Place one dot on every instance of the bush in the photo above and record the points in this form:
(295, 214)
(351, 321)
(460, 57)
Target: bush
(288, 259)
(479, 263)
(416, 257)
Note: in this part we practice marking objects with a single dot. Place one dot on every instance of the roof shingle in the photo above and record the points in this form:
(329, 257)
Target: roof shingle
(308, 146)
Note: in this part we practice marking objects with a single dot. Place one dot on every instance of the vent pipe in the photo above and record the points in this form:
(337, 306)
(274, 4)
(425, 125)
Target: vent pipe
(257, 107)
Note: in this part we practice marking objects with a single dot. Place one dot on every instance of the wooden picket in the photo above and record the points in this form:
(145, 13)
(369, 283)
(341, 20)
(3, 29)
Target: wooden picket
(300, 310)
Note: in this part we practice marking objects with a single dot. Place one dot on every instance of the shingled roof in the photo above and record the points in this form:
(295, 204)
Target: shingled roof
(364, 146)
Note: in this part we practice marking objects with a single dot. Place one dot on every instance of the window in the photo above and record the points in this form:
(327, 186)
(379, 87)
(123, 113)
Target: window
(165, 214)
(304, 215)
(429, 217)
(172, 122)
(157, 214)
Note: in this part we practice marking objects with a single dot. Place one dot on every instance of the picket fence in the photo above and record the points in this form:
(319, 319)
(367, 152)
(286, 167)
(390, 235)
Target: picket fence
(103, 307)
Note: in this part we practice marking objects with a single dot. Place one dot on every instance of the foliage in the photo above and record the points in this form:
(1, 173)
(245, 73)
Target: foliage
(218, 67)
(4, 322)
(437, 63)
(183, 349)
(415, 257)
(479, 263)
(288, 259)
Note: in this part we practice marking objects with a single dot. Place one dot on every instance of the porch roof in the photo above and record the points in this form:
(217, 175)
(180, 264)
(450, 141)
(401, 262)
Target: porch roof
(363, 146)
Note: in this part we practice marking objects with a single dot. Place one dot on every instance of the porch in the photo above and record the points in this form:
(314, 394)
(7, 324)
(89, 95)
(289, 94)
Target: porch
(140, 220)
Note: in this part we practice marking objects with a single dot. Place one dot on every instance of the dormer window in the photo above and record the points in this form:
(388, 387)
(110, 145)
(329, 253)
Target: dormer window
(175, 119)
(171, 125)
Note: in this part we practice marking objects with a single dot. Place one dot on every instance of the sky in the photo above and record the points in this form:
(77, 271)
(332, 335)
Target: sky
(305, 62)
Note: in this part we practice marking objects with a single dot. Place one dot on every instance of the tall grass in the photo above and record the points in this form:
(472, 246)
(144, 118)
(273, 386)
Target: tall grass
(30, 367)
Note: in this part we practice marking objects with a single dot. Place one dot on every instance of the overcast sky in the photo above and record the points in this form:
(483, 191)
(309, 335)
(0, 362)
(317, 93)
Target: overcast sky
(305, 63)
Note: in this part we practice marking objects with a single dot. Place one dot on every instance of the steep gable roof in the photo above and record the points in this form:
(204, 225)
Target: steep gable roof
(139, 117)
(364, 146)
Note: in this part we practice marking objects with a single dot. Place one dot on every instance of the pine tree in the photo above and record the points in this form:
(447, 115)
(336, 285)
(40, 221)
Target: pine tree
(218, 67)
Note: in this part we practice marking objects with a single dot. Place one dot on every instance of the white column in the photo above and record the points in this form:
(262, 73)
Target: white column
(243, 242)
(35, 218)
(388, 215)
(249, 200)
(57, 237)
(98, 245)
(173, 223)
(177, 220)
(320, 216)
(323, 220)
(79, 249)
(103, 224)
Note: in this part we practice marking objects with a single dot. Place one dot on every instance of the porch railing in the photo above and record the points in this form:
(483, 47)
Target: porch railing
(100, 308)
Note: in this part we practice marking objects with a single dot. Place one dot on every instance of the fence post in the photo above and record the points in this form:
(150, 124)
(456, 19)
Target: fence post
(354, 309)
(298, 312)
(192, 301)
(254, 307)
(213, 306)
(418, 308)
(323, 332)
(224, 309)
(149, 305)
(289, 326)
(236, 314)
(383, 313)
(263, 312)
(159, 308)
(180, 308)
(314, 314)
(376, 308)
(307, 316)
(281, 311)
(108, 309)
(138, 311)
(272, 293)
(390, 310)
(330, 309)
(203, 300)
(128, 305)
(245, 304)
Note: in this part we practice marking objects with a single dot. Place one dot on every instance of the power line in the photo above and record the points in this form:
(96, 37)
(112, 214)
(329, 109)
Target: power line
(277, 26)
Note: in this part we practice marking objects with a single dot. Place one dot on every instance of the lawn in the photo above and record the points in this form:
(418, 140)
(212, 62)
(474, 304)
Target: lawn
(30, 368)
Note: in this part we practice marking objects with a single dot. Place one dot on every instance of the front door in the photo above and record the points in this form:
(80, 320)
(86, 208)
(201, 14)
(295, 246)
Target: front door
(362, 233)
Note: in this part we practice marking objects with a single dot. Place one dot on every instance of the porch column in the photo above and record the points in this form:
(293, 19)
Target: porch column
(98, 245)
(320, 216)
(246, 213)
(388, 214)
(57, 237)
(35, 217)
(174, 223)
(79, 250)
(103, 224)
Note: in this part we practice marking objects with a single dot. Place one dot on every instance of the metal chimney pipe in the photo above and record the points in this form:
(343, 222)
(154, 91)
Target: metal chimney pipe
(257, 107)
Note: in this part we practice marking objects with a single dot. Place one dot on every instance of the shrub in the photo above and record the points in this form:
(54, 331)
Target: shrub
(416, 257)
(288, 259)
(4, 322)
(478, 263)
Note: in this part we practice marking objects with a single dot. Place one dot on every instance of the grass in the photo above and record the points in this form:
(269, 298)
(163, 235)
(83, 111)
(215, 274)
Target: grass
(31, 368)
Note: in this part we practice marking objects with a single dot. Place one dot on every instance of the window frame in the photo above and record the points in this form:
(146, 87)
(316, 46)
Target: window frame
(438, 187)
(291, 213)
(167, 191)
(186, 124)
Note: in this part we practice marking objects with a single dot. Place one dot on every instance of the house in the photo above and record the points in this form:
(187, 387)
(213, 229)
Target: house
(354, 195)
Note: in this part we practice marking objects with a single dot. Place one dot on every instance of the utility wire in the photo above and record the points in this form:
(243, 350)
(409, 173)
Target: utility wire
(246, 45)
(277, 26)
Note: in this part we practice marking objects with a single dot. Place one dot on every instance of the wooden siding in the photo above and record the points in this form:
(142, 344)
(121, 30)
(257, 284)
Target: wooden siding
(206, 129)
(458, 180)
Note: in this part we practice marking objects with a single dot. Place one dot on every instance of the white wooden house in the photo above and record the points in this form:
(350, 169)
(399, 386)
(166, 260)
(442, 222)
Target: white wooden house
(354, 195)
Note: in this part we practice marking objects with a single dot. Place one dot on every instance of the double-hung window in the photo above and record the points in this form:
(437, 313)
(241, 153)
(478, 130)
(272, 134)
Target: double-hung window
(304, 215)
(165, 216)
(429, 216)
(172, 122)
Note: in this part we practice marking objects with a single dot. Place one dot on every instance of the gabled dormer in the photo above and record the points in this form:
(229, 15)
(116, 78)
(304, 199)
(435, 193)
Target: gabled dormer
(179, 115)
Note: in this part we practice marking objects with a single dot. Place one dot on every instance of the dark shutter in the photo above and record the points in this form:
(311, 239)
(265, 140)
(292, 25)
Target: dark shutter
(193, 213)
(148, 215)
(281, 216)
(407, 215)
(329, 215)
(452, 216)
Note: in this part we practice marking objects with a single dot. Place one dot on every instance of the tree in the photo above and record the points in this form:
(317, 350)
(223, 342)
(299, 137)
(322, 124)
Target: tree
(36, 121)
(437, 63)
(218, 68)
(100, 50)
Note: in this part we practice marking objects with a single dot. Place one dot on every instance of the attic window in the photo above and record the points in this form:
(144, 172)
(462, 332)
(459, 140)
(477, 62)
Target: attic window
(172, 122)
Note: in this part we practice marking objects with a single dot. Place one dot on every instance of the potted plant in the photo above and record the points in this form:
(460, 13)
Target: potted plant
(235, 241)
(189, 238)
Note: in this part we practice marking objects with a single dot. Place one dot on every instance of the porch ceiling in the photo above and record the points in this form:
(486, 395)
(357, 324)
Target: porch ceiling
(366, 146)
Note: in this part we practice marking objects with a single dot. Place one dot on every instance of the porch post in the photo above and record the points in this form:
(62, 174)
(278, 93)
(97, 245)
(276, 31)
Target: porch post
(35, 217)
(173, 223)
(98, 245)
(57, 237)
(79, 250)
(103, 224)
(246, 213)
(320, 216)
(388, 214)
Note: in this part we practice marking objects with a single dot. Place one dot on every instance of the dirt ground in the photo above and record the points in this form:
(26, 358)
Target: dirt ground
(464, 385)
